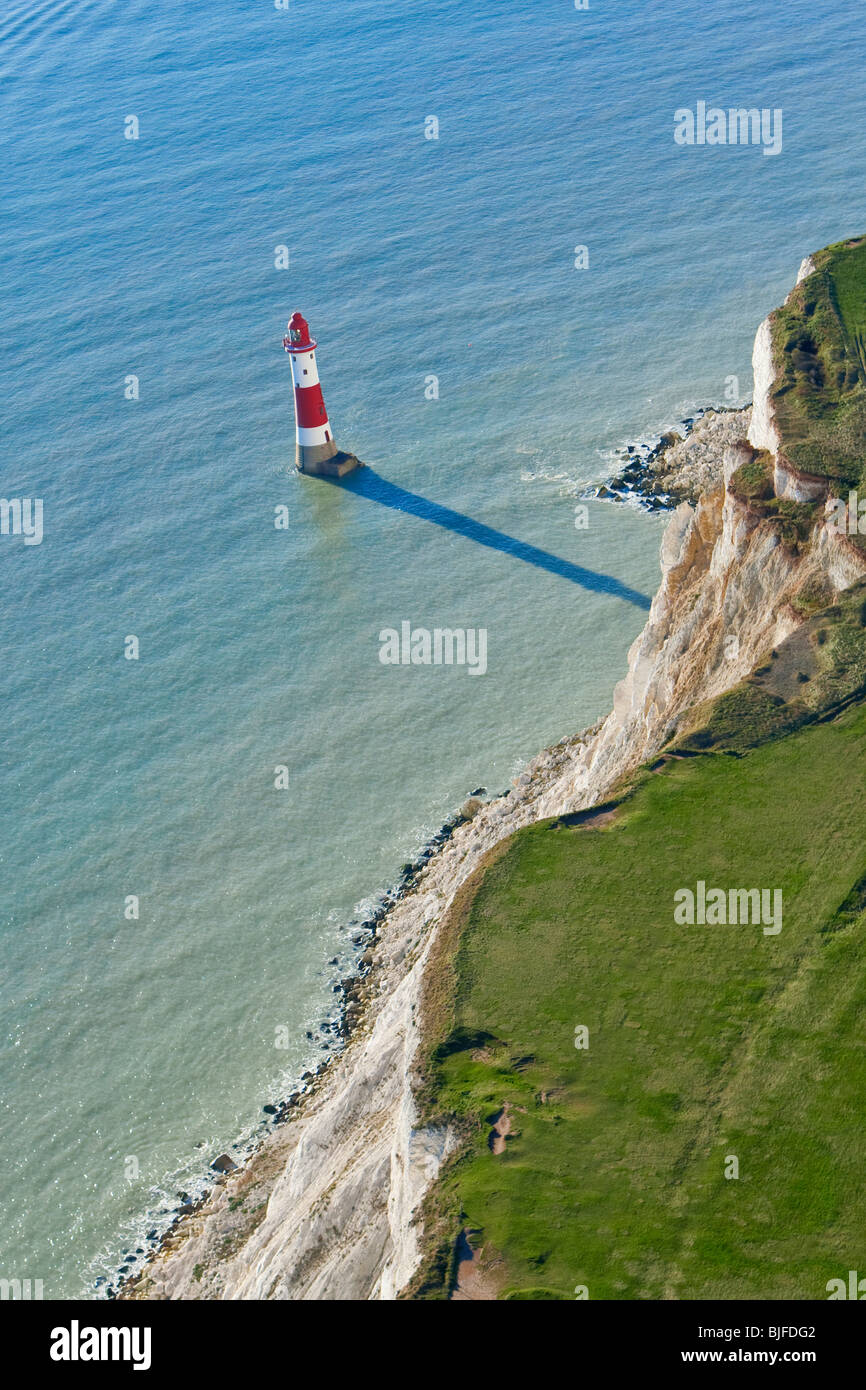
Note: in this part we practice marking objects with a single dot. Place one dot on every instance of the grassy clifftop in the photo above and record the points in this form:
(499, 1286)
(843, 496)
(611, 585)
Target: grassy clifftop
(608, 1166)
(819, 350)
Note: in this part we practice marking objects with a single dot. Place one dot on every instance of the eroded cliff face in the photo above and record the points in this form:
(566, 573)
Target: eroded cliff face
(343, 1181)
(725, 600)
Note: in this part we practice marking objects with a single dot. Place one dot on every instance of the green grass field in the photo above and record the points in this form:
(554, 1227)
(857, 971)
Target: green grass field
(704, 1041)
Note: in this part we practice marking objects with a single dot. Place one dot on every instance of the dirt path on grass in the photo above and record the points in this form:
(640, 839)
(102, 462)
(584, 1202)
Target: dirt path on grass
(500, 1131)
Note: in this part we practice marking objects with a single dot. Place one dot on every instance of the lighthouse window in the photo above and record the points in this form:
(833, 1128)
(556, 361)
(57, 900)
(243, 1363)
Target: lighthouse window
(327, 436)
(306, 373)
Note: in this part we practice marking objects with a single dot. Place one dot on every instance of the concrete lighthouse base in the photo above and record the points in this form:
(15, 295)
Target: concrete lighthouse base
(325, 460)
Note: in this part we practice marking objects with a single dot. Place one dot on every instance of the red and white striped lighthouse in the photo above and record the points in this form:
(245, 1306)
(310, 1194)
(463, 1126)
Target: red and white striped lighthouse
(316, 451)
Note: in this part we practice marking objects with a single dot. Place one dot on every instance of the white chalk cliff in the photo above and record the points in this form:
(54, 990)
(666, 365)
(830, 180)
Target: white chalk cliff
(343, 1180)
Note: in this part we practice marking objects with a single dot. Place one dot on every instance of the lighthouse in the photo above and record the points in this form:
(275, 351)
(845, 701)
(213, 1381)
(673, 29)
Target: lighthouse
(316, 451)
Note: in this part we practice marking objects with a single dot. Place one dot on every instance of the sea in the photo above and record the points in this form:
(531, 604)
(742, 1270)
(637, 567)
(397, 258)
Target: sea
(512, 269)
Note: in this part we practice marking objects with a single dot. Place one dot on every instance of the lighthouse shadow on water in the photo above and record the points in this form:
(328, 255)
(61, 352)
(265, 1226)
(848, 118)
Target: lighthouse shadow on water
(370, 484)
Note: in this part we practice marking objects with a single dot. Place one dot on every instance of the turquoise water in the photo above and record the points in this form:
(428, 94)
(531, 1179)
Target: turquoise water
(153, 1039)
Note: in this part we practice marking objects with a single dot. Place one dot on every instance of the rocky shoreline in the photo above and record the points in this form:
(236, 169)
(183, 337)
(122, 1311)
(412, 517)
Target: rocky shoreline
(380, 967)
(659, 476)
(354, 995)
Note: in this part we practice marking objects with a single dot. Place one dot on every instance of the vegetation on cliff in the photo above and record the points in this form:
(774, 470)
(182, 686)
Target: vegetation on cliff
(819, 351)
(753, 483)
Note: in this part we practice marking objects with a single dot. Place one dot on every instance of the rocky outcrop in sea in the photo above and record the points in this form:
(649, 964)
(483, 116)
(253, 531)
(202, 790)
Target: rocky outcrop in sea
(679, 466)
